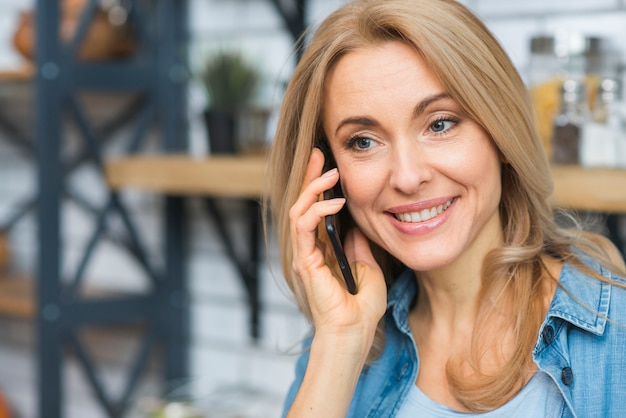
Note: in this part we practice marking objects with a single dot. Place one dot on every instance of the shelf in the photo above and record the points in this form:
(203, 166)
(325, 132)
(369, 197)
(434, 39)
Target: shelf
(215, 176)
(16, 297)
(26, 72)
(579, 188)
(589, 189)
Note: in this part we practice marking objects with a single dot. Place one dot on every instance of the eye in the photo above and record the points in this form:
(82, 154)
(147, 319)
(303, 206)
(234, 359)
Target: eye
(442, 125)
(361, 143)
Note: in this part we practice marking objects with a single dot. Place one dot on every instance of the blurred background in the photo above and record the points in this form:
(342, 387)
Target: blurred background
(163, 298)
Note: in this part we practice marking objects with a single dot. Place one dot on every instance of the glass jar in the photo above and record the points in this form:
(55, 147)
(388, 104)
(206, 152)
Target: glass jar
(569, 122)
(601, 132)
(554, 59)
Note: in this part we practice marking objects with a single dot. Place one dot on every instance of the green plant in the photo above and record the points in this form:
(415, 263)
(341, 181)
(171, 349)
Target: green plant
(230, 81)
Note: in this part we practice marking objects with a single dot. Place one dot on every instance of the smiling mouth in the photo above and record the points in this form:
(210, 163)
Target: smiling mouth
(424, 214)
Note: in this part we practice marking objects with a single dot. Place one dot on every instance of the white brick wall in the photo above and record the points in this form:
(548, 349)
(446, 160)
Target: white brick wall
(9, 10)
(221, 350)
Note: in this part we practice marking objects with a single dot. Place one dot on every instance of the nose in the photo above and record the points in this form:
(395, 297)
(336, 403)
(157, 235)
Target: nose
(409, 169)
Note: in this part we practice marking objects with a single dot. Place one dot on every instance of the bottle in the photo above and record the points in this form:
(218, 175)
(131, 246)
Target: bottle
(600, 134)
(554, 58)
(568, 123)
(620, 139)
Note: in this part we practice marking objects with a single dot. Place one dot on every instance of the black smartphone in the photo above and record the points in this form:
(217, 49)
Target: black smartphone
(331, 223)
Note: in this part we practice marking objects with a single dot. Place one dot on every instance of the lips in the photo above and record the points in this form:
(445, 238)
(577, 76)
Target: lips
(423, 214)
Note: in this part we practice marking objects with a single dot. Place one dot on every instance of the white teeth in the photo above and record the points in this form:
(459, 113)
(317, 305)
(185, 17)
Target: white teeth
(424, 214)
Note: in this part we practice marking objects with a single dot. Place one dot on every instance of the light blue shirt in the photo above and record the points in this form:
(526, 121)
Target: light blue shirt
(540, 398)
(581, 347)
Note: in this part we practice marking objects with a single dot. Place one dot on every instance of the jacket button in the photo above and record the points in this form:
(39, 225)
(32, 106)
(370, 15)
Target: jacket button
(405, 368)
(548, 334)
(567, 376)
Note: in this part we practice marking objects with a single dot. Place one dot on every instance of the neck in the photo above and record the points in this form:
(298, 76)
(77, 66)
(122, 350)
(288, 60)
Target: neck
(448, 301)
(449, 296)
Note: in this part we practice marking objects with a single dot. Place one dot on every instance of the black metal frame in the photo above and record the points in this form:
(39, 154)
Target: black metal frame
(294, 16)
(247, 264)
(158, 75)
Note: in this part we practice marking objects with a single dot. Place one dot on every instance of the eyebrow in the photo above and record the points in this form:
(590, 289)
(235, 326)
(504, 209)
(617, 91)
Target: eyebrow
(419, 109)
(359, 120)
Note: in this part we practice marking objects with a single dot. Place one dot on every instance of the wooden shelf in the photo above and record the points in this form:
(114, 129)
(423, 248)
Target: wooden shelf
(16, 297)
(579, 188)
(25, 72)
(216, 176)
(592, 189)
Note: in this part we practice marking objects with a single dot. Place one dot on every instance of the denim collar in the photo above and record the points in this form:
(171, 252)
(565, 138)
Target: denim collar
(580, 300)
(400, 297)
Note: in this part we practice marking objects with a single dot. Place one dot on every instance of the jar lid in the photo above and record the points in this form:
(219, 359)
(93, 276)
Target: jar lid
(568, 44)
(572, 90)
(609, 88)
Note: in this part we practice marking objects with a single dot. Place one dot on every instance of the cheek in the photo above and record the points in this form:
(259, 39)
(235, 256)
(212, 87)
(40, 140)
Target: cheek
(491, 166)
(361, 190)
(484, 176)
(478, 165)
(479, 172)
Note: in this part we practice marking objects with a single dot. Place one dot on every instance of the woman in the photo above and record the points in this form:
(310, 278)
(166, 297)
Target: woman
(470, 298)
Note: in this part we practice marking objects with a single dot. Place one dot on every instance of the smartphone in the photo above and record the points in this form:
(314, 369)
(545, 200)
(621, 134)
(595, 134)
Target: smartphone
(331, 223)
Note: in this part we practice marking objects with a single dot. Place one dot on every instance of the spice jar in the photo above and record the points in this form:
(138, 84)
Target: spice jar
(555, 58)
(620, 137)
(569, 122)
(600, 134)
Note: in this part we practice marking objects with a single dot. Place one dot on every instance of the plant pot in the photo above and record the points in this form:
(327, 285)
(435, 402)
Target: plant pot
(221, 129)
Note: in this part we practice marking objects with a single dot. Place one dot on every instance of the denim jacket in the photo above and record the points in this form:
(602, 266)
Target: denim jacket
(581, 345)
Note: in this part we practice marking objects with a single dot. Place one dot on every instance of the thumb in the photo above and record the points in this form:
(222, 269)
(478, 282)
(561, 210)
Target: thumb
(368, 274)
(358, 249)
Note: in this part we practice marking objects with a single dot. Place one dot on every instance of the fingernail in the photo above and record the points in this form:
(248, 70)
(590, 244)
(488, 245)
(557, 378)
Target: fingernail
(337, 201)
(330, 173)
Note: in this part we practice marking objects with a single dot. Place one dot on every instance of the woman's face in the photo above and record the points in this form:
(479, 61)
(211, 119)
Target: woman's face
(421, 178)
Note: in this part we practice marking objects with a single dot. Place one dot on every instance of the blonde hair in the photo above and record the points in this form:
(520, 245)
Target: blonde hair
(478, 74)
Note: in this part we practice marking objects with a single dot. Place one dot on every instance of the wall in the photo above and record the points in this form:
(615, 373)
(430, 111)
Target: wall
(222, 353)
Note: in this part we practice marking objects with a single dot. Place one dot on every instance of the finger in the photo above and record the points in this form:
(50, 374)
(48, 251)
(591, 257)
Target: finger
(308, 210)
(312, 187)
(312, 192)
(314, 167)
(311, 218)
(305, 240)
(313, 184)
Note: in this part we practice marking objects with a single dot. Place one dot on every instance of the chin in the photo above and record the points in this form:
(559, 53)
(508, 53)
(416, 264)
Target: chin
(424, 260)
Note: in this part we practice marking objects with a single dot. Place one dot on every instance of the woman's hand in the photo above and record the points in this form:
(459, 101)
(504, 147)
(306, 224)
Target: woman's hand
(336, 313)
(345, 324)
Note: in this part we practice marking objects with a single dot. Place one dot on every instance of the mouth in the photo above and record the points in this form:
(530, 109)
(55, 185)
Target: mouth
(424, 214)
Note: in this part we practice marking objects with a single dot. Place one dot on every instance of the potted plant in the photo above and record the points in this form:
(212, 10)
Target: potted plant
(230, 82)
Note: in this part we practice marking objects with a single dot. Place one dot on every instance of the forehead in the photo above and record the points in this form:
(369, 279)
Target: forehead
(380, 59)
(364, 75)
